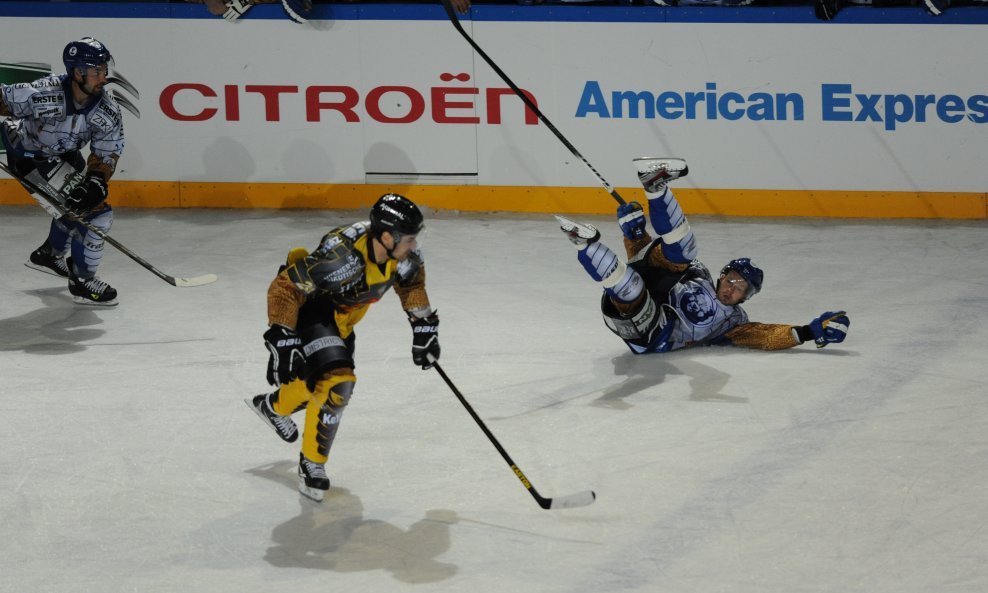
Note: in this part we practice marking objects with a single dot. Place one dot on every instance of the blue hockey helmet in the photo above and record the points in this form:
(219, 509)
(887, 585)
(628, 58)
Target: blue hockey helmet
(752, 274)
(84, 53)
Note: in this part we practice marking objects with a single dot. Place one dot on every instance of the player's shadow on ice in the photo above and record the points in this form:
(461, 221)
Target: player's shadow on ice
(644, 372)
(333, 535)
(58, 327)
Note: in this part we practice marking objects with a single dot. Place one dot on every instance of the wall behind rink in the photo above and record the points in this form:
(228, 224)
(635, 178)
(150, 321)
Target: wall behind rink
(778, 114)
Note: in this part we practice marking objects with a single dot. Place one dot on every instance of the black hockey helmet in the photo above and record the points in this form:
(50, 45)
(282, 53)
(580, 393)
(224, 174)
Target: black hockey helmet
(396, 214)
(752, 274)
(84, 53)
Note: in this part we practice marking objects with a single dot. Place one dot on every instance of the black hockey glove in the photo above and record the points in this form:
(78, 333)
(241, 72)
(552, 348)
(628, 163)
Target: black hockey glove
(425, 339)
(91, 192)
(287, 362)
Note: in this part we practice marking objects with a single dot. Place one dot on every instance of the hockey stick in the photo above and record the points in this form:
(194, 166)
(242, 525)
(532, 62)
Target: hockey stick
(579, 499)
(181, 282)
(451, 13)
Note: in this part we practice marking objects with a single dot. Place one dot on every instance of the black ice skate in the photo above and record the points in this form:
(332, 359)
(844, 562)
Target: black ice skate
(580, 235)
(92, 291)
(284, 426)
(43, 261)
(655, 173)
(312, 479)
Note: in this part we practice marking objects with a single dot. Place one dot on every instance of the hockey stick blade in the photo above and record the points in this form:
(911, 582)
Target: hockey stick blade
(580, 499)
(195, 280)
(43, 193)
(567, 502)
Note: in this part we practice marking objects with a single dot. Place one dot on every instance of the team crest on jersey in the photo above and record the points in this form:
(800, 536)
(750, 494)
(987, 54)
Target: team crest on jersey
(697, 305)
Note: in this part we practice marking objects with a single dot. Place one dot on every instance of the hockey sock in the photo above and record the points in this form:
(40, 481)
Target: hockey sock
(58, 238)
(87, 246)
(322, 415)
(619, 281)
(668, 220)
(290, 397)
(598, 260)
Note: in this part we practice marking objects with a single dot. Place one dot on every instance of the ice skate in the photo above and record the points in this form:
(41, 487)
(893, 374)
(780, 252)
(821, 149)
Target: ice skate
(284, 426)
(655, 173)
(43, 260)
(92, 291)
(312, 480)
(580, 235)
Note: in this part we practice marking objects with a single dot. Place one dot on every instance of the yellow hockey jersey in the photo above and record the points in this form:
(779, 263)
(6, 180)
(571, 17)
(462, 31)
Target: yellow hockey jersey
(341, 274)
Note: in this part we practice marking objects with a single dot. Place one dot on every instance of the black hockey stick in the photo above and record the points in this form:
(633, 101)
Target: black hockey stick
(57, 206)
(528, 102)
(579, 499)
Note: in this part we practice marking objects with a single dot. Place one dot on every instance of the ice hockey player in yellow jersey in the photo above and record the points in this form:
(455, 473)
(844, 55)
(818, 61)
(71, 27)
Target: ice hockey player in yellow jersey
(314, 304)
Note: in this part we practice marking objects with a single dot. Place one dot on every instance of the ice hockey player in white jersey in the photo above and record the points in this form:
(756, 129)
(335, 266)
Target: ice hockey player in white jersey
(664, 299)
(50, 121)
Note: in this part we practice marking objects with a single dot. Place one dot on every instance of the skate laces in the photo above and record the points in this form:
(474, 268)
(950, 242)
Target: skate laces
(283, 423)
(313, 469)
(95, 285)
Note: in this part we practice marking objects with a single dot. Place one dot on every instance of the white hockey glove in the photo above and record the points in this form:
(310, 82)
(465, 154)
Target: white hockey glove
(830, 328)
(287, 361)
(236, 9)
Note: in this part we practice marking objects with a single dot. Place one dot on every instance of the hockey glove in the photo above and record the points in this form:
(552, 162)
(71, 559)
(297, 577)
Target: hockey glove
(236, 9)
(631, 217)
(425, 339)
(829, 328)
(287, 362)
(90, 193)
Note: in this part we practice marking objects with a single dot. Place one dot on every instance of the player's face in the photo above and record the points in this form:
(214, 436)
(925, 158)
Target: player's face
(93, 79)
(731, 288)
(403, 247)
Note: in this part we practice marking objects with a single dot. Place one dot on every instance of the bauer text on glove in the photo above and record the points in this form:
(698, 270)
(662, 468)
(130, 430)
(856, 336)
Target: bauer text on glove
(425, 339)
(287, 361)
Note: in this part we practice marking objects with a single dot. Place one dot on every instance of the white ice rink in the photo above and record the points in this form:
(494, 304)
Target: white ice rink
(129, 463)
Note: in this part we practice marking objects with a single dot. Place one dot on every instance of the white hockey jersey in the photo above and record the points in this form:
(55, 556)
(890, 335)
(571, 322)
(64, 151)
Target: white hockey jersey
(692, 315)
(47, 123)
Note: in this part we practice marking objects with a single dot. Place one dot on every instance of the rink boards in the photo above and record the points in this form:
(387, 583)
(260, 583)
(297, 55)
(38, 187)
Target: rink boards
(777, 114)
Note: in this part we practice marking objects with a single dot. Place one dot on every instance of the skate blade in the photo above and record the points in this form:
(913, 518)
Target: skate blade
(580, 230)
(565, 223)
(676, 168)
(89, 303)
(44, 269)
(311, 493)
(672, 164)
